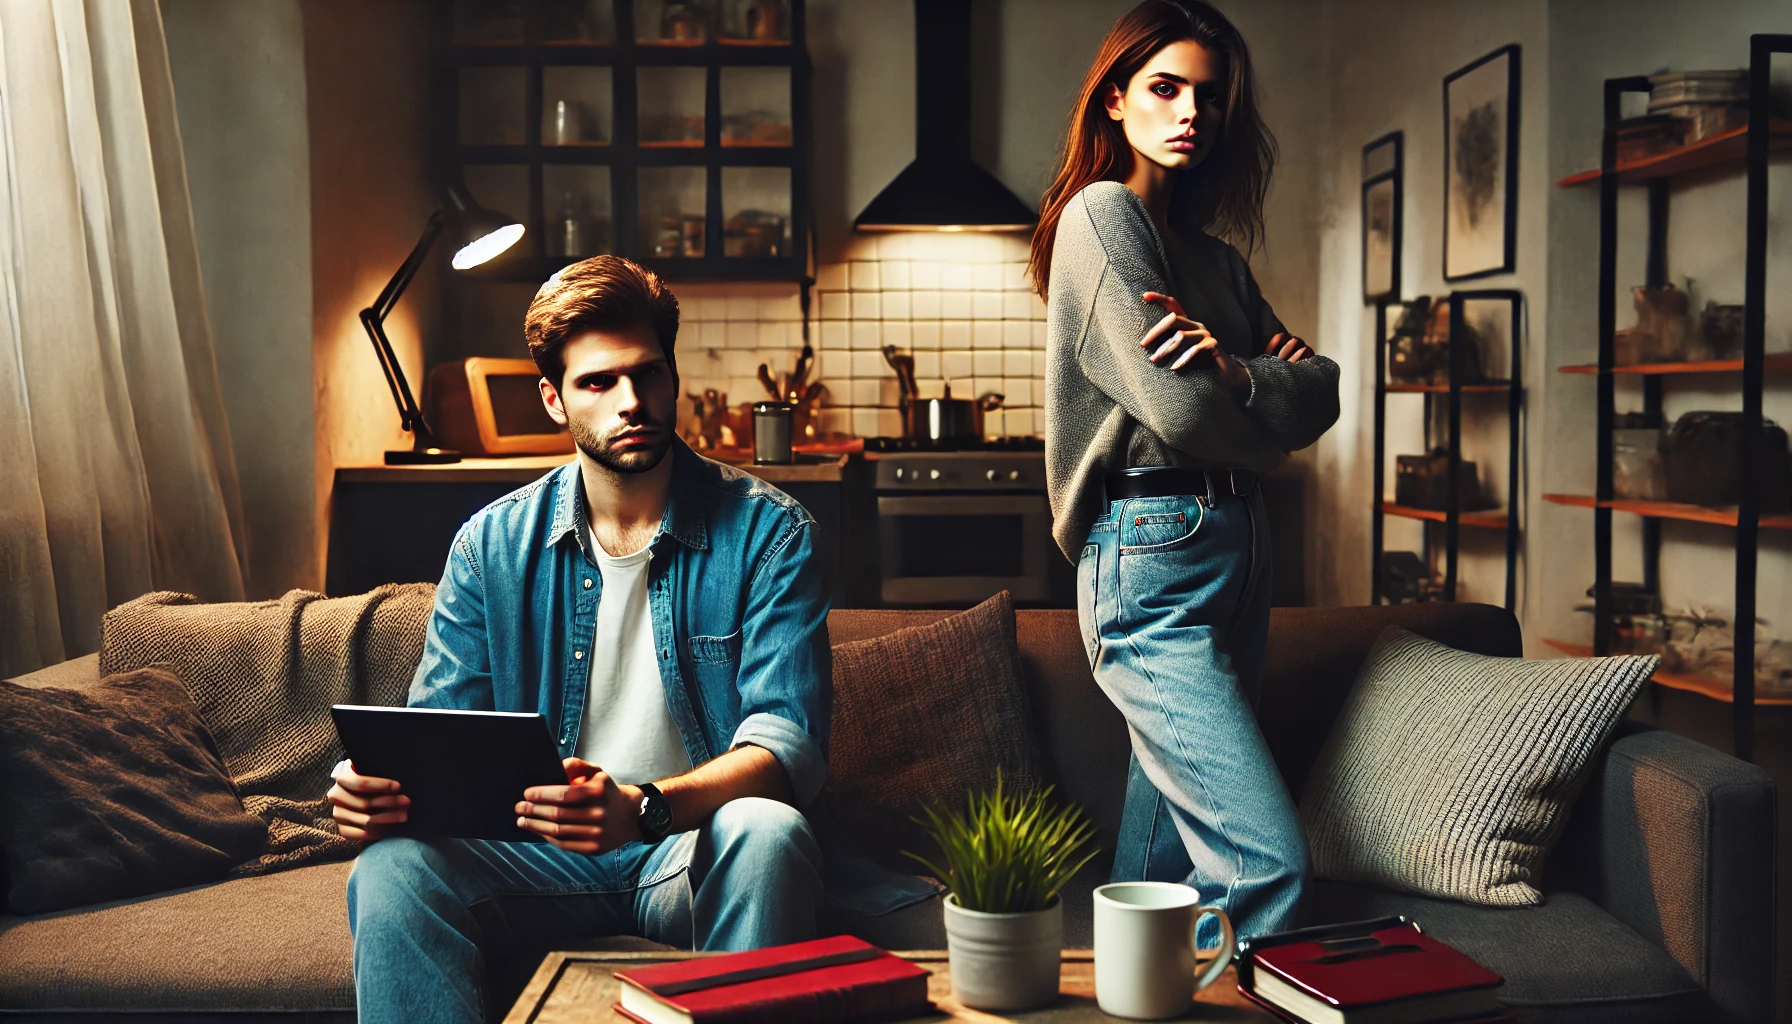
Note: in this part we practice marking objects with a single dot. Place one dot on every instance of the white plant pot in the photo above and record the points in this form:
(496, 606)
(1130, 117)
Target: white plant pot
(1004, 961)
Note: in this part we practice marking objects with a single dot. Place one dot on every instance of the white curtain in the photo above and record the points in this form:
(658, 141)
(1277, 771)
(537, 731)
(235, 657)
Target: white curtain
(116, 470)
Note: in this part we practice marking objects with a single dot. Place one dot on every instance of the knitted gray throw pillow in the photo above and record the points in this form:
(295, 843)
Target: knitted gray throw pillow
(1450, 774)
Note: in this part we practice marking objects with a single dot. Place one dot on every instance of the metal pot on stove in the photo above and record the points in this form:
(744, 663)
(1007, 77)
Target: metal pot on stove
(937, 420)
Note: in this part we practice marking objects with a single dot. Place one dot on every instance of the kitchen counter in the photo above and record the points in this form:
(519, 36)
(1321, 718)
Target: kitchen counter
(521, 469)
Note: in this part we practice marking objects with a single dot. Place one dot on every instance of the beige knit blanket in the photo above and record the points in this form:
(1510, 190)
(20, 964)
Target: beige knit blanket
(264, 675)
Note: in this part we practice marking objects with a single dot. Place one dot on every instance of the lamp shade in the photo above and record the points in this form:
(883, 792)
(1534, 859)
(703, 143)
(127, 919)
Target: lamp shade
(476, 233)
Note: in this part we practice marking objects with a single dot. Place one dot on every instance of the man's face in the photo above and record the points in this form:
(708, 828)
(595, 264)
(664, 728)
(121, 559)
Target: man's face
(619, 397)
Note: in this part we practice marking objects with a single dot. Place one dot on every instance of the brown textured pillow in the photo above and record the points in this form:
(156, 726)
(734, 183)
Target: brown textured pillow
(113, 791)
(921, 716)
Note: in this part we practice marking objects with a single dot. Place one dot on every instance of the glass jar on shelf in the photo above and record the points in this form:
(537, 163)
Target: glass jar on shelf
(669, 107)
(488, 22)
(755, 23)
(577, 22)
(756, 106)
(577, 106)
(672, 203)
(577, 198)
(671, 23)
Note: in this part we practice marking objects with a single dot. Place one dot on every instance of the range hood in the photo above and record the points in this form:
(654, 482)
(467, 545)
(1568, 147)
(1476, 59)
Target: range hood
(944, 189)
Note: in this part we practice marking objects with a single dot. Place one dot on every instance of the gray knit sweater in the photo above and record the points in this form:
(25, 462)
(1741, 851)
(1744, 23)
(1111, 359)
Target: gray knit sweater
(1109, 407)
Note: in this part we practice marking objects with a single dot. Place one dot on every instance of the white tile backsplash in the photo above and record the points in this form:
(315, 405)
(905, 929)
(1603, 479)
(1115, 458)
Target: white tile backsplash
(960, 303)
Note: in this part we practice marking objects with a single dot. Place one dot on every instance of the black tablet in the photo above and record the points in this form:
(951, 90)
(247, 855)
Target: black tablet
(463, 770)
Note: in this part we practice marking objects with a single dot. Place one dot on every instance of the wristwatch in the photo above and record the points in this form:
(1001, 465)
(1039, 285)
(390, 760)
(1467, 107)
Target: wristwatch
(656, 814)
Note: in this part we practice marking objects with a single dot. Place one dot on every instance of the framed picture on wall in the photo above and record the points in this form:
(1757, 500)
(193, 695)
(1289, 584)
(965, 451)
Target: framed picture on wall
(1481, 167)
(1383, 166)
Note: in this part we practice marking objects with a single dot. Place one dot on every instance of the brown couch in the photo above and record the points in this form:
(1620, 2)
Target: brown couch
(1660, 895)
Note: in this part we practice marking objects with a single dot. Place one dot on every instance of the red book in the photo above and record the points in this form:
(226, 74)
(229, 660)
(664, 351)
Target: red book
(1391, 975)
(836, 979)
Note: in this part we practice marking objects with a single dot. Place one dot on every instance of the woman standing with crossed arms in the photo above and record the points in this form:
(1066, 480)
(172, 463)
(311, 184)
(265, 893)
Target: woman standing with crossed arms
(1169, 385)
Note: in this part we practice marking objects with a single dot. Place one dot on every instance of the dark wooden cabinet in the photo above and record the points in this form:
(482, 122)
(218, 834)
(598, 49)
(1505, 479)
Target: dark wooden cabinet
(675, 134)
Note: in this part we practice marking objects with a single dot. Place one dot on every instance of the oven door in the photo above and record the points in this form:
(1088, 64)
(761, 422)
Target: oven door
(943, 551)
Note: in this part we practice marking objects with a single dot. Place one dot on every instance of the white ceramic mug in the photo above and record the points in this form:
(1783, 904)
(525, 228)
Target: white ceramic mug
(1145, 948)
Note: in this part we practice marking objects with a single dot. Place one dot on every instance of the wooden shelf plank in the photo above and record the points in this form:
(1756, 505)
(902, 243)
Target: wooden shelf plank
(1486, 519)
(1729, 147)
(1774, 361)
(1724, 516)
(1692, 682)
(1443, 389)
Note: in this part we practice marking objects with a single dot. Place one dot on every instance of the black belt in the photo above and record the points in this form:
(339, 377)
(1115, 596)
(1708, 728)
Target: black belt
(1211, 486)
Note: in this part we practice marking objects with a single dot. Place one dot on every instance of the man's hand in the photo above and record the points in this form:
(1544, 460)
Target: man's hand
(364, 807)
(592, 813)
(1176, 335)
(1287, 346)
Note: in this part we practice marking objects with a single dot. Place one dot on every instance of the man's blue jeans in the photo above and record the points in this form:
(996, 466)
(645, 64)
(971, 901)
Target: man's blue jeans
(426, 913)
(1173, 601)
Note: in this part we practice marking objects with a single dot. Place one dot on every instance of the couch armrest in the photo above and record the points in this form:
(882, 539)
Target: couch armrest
(1676, 840)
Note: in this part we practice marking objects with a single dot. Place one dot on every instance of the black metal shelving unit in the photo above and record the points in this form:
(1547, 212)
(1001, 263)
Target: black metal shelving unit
(628, 158)
(1453, 518)
(1750, 148)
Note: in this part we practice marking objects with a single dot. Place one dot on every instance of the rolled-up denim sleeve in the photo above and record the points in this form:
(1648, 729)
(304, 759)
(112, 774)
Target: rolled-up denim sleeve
(786, 666)
(456, 670)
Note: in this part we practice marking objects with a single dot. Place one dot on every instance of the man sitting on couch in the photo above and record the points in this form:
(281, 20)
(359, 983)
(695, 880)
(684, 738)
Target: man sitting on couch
(667, 617)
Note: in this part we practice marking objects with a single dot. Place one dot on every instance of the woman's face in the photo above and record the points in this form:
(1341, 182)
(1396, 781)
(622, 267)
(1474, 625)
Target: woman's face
(1171, 108)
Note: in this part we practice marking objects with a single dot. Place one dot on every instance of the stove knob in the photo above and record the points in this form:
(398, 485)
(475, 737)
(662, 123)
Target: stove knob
(900, 473)
(933, 474)
(990, 475)
(1014, 474)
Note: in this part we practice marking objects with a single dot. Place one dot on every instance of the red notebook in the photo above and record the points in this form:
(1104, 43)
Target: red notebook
(1390, 975)
(837, 979)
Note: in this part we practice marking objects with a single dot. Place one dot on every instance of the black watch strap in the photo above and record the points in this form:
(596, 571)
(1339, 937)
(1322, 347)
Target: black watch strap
(656, 814)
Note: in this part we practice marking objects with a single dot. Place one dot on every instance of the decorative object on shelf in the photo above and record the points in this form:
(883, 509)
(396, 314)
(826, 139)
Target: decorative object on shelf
(758, 22)
(1660, 335)
(1406, 580)
(1005, 857)
(1720, 331)
(1383, 171)
(1423, 481)
(484, 406)
(570, 123)
(478, 235)
(682, 23)
(1638, 626)
(1481, 166)
(1407, 358)
(753, 233)
(1419, 352)
(1639, 468)
(1704, 462)
(1702, 103)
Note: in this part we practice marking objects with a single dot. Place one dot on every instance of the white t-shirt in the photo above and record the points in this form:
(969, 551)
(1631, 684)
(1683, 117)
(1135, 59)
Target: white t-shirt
(628, 730)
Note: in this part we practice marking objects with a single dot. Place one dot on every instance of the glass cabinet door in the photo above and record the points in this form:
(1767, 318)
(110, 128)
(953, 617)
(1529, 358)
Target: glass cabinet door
(756, 106)
(577, 106)
(756, 212)
(672, 205)
(575, 201)
(670, 107)
(491, 106)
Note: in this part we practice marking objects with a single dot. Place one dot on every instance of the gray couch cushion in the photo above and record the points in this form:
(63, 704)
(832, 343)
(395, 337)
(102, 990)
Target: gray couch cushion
(1564, 960)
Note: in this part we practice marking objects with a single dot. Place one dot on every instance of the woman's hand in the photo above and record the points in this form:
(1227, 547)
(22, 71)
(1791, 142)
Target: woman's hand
(1287, 346)
(1176, 335)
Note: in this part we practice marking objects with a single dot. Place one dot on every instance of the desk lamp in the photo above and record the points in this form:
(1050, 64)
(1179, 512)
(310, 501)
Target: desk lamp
(478, 234)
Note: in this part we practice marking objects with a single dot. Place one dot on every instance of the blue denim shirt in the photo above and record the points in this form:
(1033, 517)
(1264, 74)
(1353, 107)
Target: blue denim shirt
(739, 612)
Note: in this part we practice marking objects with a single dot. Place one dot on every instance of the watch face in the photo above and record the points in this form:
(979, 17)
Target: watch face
(656, 813)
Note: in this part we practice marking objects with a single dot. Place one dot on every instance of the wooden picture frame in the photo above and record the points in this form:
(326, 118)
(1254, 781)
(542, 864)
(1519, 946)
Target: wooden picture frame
(1481, 166)
(1384, 169)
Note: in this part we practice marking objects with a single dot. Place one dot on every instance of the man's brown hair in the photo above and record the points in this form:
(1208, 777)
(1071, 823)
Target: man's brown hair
(603, 293)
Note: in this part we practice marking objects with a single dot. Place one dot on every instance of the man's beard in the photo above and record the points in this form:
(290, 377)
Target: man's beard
(640, 460)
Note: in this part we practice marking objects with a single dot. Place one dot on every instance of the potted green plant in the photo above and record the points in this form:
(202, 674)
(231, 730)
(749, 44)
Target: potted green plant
(1005, 857)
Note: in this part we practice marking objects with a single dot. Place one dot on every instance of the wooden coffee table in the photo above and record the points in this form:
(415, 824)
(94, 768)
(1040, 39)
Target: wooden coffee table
(579, 988)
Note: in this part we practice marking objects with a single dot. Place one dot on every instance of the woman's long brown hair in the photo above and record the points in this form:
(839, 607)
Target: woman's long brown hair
(1225, 191)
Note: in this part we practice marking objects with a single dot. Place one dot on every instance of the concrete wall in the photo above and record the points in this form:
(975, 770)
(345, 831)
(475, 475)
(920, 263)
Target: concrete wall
(239, 83)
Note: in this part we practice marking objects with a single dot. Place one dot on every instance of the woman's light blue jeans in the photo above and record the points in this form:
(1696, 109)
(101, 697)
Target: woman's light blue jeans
(426, 914)
(1173, 601)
